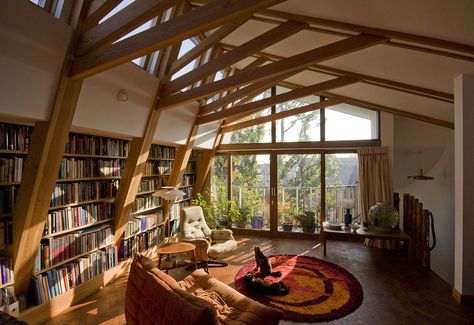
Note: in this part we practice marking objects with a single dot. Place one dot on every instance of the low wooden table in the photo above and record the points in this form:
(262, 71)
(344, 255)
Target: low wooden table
(348, 234)
(176, 248)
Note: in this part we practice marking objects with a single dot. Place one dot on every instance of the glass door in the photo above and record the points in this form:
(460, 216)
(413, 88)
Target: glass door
(250, 190)
(298, 192)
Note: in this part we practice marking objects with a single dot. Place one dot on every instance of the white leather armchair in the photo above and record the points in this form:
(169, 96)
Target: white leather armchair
(209, 243)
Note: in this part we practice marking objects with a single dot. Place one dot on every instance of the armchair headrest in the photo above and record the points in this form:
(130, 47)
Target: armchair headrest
(192, 223)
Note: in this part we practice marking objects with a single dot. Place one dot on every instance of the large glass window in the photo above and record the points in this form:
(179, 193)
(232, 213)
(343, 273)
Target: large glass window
(299, 192)
(251, 190)
(349, 122)
(299, 127)
(342, 186)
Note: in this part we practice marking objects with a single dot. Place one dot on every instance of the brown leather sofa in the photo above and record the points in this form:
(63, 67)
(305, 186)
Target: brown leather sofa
(153, 297)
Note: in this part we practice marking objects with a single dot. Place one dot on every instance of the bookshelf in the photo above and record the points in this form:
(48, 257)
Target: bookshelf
(14, 144)
(146, 227)
(78, 238)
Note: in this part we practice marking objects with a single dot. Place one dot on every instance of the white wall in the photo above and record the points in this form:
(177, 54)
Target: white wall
(31, 56)
(175, 124)
(422, 145)
(99, 108)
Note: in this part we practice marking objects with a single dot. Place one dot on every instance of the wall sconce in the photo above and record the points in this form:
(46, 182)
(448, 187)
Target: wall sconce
(419, 176)
(122, 95)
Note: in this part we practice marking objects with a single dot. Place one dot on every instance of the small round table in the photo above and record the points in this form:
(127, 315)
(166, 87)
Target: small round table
(176, 248)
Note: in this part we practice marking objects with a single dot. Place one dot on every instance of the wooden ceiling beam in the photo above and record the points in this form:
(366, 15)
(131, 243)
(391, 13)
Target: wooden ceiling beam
(123, 22)
(250, 90)
(419, 39)
(395, 111)
(205, 44)
(289, 64)
(258, 43)
(99, 12)
(239, 111)
(381, 82)
(280, 115)
(199, 20)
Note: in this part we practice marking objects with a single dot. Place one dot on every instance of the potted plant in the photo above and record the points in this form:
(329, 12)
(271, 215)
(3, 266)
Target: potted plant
(307, 220)
(243, 217)
(287, 224)
(287, 216)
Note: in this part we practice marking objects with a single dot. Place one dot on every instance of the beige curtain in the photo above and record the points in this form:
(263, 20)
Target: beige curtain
(375, 178)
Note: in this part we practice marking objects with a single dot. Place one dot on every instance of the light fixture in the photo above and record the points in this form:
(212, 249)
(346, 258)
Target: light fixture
(170, 194)
(122, 95)
(419, 176)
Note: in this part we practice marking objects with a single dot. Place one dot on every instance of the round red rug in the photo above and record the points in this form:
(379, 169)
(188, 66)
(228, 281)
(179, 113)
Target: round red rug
(319, 290)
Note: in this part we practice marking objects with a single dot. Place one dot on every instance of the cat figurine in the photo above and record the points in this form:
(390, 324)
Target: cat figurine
(265, 287)
(263, 264)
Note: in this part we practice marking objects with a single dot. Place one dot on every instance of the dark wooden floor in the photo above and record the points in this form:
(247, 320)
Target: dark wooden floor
(394, 291)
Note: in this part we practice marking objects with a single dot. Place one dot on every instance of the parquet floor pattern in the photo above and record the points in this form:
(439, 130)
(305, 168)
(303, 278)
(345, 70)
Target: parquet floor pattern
(394, 291)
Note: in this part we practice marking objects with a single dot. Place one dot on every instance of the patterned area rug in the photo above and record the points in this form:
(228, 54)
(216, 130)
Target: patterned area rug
(319, 290)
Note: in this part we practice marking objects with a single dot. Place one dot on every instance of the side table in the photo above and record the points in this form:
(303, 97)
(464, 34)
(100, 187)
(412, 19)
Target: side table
(176, 248)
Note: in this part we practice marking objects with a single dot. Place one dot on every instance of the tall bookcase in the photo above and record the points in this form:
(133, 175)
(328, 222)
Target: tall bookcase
(14, 144)
(78, 239)
(147, 227)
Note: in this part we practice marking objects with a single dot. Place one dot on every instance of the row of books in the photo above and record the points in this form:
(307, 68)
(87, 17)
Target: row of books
(6, 268)
(6, 232)
(187, 180)
(7, 198)
(15, 137)
(83, 168)
(57, 281)
(75, 217)
(143, 223)
(84, 144)
(157, 151)
(188, 191)
(11, 169)
(55, 250)
(136, 244)
(145, 203)
(67, 193)
(190, 167)
(152, 184)
(159, 167)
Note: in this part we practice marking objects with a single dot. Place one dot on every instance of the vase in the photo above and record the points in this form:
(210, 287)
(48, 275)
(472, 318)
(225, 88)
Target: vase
(383, 217)
(257, 222)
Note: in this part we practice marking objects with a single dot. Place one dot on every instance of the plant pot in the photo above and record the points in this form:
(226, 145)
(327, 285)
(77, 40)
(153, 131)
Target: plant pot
(309, 229)
(288, 227)
(240, 224)
(223, 223)
(257, 222)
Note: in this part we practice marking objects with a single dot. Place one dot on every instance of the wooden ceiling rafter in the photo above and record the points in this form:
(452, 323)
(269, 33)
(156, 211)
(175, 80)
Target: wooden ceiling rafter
(247, 91)
(240, 111)
(376, 81)
(98, 13)
(238, 53)
(126, 20)
(198, 20)
(289, 64)
(206, 43)
(277, 116)
(390, 34)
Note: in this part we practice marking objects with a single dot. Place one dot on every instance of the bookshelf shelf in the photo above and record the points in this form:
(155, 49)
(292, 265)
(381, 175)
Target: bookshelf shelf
(6, 215)
(137, 213)
(56, 207)
(155, 175)
(9, 183)
(6, 284)
(13, 152)
(76, 229)
(146, 192)
(101, 178)
(77, 155)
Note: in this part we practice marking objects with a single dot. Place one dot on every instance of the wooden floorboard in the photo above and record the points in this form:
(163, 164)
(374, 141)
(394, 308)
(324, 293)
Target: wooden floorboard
(395, 292)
